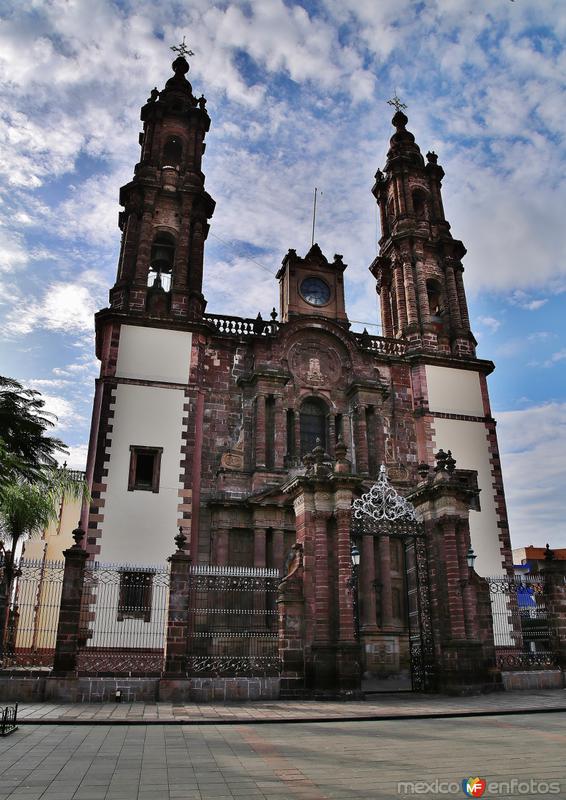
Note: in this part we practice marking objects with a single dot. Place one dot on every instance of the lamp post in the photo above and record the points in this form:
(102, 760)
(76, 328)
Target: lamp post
(354, 583)
(470, 557)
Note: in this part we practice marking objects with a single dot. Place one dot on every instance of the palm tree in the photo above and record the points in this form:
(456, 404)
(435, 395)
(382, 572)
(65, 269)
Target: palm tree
(25, 449)
(26, 509)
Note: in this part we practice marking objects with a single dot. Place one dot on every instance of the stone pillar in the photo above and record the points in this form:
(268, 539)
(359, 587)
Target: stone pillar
(280, 433)
(348, 655)
(386, 596)
(422, 294)
(178, 615)
(278, 549)
(453, 300)
(67, 642)
(367, 588)
(260, 553)
(410, 294)
(291, 621)
(221, 546)
(322, 598)
(399, 280)
(555, 592)
(386, 318)
(462, 302)
(362, 466)
(260, 431)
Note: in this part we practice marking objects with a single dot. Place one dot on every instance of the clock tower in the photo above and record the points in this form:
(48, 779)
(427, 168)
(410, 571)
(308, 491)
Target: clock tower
(312, 286)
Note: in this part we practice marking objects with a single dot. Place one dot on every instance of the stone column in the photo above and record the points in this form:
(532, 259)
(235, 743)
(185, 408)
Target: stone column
(67, 642)
(362, 465)
(410, 294)
(260, 431)
(463, 305)
(180, 270)
(453, 578)
(386, 596)
(422, 294)
(221, 546)
(280, 433)
(178, 614)
(386, 318)
(367, 587)
(399, 279)
(278, 549)
(348, 655)
(291, 628)
(322, 598)
(452, 292)
(260, 553)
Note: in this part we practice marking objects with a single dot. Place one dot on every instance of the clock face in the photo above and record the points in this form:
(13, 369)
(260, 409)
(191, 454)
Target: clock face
(315, 291)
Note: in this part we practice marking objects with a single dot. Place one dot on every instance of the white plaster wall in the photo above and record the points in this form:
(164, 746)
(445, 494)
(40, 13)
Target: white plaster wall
(154, 354)
(139, 526)
(469, 445)
(455, 391)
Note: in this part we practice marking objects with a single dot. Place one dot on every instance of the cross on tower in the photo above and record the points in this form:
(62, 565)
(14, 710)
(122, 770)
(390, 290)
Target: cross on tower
(182, 49)
(396, 101)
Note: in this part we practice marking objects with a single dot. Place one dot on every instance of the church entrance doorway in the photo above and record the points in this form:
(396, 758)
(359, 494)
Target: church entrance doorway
(394, 605)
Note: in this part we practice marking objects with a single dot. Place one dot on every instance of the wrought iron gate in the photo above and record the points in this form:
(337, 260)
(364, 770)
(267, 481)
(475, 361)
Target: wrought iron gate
(233, 622)
(521, 630)
(33, 614)
(123, 626)
(381, 512)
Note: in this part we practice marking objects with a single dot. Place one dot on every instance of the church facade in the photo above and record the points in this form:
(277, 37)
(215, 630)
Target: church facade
(204, 421)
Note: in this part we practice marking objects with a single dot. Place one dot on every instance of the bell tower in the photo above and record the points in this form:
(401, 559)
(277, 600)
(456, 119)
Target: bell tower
(419, 267)
(164, 223)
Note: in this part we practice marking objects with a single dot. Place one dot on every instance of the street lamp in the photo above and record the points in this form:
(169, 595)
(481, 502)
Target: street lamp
(470, 557)
(355, 556)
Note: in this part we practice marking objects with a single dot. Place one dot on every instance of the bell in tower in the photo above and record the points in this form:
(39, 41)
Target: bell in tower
(419, 266)
(166, 208)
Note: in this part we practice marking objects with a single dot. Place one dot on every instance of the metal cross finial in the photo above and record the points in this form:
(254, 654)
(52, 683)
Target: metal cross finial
(396, 101)
(182, 49)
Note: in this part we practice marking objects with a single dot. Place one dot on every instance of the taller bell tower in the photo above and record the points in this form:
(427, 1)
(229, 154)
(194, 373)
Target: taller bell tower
(419, 267)
(166, 208)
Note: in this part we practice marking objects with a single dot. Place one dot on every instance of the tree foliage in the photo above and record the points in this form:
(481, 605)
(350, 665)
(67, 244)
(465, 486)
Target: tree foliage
(25, 448)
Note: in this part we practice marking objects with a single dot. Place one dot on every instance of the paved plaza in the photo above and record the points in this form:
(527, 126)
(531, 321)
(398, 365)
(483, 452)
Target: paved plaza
(362, 760)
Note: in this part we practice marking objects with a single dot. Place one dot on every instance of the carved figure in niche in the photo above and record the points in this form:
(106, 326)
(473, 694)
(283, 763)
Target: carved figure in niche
(314, 375)
(389, 451)
(293, 561)
(234, 458)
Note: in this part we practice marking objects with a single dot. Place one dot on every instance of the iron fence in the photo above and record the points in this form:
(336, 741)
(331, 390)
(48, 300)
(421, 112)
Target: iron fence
(8, 720)
(521, 628)
(123, 620)
(233, 622)
(33, 614)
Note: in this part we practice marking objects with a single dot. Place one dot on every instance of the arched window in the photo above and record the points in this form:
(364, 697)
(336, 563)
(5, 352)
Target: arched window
(172, 152)
(434, 294)
(161, 261)
(419, 204)
(313, 425)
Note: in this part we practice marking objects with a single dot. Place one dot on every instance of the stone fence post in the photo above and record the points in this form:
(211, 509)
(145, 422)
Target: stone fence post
(554, 572)
(178, 619)
(67, 644)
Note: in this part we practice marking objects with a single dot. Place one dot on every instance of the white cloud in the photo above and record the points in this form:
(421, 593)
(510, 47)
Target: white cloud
(532, 443)
(65, 307)
(490, 323)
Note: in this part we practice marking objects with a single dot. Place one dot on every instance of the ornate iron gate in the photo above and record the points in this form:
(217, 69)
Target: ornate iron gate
(123, 626)
(381, 512)
(33, 614)
(521, 630)
(234, 622)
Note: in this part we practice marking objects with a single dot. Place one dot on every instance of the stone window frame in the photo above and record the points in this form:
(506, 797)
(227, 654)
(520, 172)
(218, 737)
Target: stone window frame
(135, 451)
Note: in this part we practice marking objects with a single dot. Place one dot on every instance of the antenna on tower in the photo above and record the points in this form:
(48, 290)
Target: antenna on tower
(314, 214)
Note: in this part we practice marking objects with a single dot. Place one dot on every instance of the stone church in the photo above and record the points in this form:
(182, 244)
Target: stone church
(209, 422)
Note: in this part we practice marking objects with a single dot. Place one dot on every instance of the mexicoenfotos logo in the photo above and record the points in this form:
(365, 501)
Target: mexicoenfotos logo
(474, 787)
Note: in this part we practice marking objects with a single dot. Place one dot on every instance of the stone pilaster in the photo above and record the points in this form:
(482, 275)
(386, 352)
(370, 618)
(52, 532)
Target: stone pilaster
(68, 628)
(178, 614)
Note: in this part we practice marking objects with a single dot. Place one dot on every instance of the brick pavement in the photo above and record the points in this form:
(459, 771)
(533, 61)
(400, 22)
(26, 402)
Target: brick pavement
(328, 761)
(376, 706)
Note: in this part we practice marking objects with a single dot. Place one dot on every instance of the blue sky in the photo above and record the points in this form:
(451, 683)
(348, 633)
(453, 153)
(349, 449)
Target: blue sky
(297, 94)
